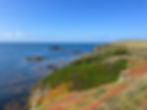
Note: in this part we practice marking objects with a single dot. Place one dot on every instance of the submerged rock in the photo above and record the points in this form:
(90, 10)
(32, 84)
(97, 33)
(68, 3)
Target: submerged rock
(56, 48)
(76, 52)
(35, 58)
(52, 67)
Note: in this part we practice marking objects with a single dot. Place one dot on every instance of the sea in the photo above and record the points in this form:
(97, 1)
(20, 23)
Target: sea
(18, 74)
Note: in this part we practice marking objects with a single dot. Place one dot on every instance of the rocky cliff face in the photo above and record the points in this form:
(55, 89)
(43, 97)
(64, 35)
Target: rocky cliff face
(113, 77)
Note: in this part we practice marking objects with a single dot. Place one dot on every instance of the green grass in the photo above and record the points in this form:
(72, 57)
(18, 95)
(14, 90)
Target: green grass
(108, 52)
(88, 72)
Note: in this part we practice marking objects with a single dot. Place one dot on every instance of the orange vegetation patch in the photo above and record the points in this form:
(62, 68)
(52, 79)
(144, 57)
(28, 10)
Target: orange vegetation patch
(110, 94)
(70, 100)
(55, 93)
(138, 70)
(60, 105)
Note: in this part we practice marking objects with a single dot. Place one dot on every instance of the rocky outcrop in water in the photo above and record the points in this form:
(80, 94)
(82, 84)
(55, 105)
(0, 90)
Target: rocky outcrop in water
(35, 58)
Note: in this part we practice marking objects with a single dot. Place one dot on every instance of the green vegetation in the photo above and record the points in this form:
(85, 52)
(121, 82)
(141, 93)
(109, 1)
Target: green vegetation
(89, 71)
(104, 52)
(120, 51)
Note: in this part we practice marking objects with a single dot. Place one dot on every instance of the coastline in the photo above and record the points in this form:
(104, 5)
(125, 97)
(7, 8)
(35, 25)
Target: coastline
(104, 68)
(20, 94)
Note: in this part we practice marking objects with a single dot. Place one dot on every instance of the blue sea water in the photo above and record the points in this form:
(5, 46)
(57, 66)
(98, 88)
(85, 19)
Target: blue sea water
(17, 74)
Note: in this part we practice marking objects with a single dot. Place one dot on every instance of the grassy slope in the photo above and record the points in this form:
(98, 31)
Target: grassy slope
(89, 71)
(121, 95)
(101, 67)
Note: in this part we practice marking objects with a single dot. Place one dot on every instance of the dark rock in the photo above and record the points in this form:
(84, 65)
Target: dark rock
(52, 67)
(76, 52)
(35, 58)
(56, 48)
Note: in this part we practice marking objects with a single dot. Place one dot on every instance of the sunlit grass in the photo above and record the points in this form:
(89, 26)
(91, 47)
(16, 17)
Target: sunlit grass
(89, 71)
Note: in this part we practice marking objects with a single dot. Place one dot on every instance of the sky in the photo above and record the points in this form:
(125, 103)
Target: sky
(72, 20)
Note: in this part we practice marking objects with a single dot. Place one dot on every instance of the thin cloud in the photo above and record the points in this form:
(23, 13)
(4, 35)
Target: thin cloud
(11, 36)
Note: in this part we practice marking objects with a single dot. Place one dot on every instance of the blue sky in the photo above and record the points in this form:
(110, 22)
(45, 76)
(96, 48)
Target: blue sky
(72, 20)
